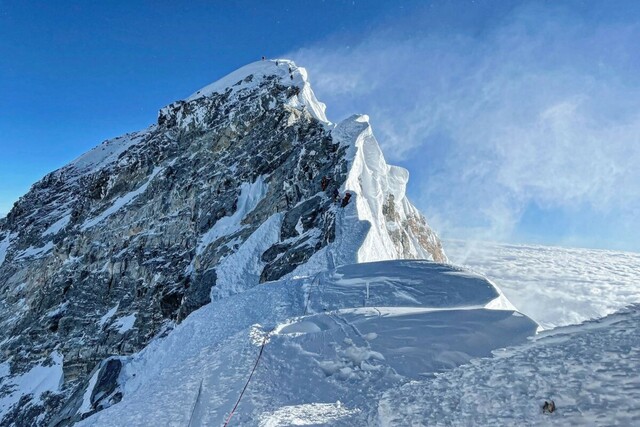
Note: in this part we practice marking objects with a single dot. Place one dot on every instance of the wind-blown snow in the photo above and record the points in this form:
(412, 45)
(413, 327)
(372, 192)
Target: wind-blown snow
(555, 286)
(339, 336)
(45, 377)
(120, 202)
(590, 371)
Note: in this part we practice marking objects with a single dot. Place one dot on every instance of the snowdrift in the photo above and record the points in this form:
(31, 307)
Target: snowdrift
(589, 370)
(334, 343)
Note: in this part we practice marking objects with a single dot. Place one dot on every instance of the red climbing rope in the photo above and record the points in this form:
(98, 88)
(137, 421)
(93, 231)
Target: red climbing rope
(316, 279)
(264, 342)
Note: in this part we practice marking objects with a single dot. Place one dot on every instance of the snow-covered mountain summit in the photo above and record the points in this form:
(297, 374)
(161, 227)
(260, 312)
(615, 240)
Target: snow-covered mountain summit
(243, 182)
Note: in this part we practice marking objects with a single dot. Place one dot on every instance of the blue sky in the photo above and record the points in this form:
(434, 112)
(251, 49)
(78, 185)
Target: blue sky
(519, 121)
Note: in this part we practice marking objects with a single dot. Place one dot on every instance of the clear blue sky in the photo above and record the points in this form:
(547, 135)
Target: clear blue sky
(519, 121)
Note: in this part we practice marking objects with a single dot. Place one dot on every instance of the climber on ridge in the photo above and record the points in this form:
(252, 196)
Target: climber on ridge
(324, 183)
(345, 201)
(549, 407)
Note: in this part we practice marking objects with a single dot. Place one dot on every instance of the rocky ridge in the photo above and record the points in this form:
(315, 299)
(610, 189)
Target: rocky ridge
(234, 186)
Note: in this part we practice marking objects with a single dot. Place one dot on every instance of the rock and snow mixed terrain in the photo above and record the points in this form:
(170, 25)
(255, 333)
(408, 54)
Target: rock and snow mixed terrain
(144, 282)
(239, 184)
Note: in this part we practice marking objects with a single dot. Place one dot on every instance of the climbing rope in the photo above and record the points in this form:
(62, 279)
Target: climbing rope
(316, 280)
(264, 343)
(195, 404)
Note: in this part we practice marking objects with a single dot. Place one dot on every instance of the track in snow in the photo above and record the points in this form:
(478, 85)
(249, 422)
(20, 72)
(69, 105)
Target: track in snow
(590, 371)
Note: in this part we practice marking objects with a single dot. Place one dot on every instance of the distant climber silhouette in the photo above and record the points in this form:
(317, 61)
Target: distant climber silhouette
(549, 407)
(346, 199)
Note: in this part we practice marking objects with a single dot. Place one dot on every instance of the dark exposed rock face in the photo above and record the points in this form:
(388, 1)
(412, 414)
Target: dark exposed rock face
(115, 248)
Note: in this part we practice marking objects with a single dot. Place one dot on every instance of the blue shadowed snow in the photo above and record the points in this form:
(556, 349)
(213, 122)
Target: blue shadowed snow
(368, 327)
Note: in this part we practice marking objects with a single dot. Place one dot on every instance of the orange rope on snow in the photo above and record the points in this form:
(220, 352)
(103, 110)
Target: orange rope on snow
(316, 279)
(264, 343)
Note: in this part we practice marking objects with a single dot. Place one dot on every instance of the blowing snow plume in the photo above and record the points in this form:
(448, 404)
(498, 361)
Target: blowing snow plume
(528, 112)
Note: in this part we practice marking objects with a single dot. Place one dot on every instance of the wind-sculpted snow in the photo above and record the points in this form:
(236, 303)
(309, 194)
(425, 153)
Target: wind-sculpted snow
(244, 182)
(552, 285)
(590, 371)
(367, 327)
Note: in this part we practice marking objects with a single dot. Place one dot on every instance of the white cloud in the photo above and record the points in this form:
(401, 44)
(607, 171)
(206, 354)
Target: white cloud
(542, 108)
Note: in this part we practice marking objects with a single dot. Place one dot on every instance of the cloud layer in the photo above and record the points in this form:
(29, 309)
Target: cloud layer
(540, 110)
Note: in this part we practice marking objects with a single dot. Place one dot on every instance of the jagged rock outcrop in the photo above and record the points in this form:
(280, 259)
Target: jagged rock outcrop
(233, 186)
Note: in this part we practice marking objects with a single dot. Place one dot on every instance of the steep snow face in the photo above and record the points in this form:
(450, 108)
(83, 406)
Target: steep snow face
(397, 229)
(334, 343)
(234, 186)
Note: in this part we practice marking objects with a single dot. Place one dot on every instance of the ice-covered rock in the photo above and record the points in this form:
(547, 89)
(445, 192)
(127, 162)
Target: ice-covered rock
(241, 183)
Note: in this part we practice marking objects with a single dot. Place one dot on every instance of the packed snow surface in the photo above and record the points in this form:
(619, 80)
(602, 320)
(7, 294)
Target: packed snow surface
(552, 285)
(334, 342)
(590, 371)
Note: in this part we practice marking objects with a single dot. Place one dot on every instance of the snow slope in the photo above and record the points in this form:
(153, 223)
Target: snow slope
(590, 371)
(237, 185)
(552, 285)
(42, 378)
(334, 343)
